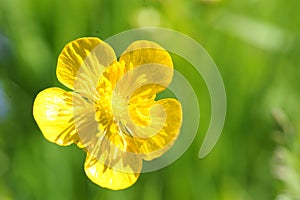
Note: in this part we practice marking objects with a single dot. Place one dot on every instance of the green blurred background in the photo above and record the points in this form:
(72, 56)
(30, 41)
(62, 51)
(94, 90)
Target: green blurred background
(254, 43)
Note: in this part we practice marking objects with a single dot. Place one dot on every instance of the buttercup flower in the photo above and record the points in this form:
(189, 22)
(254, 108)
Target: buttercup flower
(111, 112)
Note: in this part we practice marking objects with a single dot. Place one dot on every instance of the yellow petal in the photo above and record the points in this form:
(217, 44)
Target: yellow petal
(110, 167)
(154, 139)
(85, 57)
(159, 143)
(139, 107)
(146, 52)
(53, 112)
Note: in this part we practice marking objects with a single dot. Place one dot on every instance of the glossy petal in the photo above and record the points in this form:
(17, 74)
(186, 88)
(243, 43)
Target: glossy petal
(158, 144)
(156, 138)
(110, 167)
(151, 54)
(85, 59)
(84, 118)
(139, 107)
(53, 112)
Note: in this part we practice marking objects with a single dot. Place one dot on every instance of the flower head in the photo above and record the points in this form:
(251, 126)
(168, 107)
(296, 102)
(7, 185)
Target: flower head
(111, 112)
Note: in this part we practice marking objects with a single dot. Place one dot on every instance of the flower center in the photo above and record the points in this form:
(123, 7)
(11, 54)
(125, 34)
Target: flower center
(109, 107)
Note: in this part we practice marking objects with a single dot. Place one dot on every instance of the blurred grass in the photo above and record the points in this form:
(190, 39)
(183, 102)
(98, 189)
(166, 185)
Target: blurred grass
(260, 73)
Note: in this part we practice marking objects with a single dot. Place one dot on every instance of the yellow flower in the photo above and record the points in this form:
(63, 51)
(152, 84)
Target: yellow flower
(111, 113)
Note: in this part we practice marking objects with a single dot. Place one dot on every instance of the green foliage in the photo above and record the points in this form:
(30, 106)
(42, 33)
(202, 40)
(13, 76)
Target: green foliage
(254, 43)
